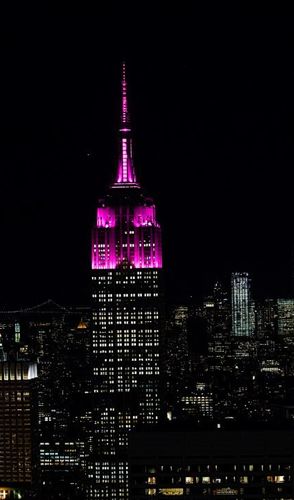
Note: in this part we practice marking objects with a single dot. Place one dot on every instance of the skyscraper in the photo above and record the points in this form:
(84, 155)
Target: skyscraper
(59, 340)
(127, 317)
(242, 305)
(18, 425)
(285, 317)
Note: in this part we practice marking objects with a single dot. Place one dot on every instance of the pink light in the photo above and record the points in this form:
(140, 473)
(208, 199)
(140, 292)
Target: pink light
(139, 243)
(144, 216)
(124, 160)
(105, 217)
(124, 95)
(126, 171)
(126, 233)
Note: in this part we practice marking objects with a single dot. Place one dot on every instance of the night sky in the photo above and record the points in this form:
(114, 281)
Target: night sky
(211, 100)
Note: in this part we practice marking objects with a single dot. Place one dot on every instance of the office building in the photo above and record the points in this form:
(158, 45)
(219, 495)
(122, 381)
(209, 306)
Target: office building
(18, 428)
(212, 462)
(242, 305)
(127, 317)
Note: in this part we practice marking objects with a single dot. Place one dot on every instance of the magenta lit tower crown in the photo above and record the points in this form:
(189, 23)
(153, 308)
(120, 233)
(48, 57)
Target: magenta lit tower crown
(127, 233)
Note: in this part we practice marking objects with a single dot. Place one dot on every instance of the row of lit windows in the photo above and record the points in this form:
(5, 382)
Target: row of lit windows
(208, 479)
(133, 333)
(109, 371)
(126, 318)
(126, 338)
(124, 309)
(116, 273)
(216, 468)
(102, 296)
(131, 343)
(126, 322)
(134, 313)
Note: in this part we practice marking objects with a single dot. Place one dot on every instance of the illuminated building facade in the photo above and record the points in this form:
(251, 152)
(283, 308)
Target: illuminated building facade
(18, 424)
(285, 312)
(127, 316)
(205, 463)
(198, 402)
(59, 338)
(242, 305)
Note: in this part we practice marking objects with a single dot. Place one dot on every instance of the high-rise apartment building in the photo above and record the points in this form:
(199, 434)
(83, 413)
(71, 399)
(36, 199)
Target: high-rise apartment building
(127, 317)
(242, 305)
(18, 428)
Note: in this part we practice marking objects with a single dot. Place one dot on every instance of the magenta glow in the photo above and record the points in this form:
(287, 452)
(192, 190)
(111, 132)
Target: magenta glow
(126, 172)
(126, 234)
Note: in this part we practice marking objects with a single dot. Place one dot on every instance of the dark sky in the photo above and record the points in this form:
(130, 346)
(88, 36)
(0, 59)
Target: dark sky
(212, 107)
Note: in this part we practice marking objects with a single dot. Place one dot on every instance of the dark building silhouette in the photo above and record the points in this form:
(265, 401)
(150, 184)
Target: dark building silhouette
(213, 462)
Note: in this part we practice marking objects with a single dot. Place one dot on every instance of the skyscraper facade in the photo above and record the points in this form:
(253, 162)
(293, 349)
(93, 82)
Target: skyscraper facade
(127, 317)
(285, 310)
(18, 425)
(242, 305)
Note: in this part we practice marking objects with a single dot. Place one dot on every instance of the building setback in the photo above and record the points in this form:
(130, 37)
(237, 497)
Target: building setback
(127, 318)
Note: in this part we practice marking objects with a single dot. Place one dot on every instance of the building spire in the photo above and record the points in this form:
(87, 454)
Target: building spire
(124, 99)
(126, 173)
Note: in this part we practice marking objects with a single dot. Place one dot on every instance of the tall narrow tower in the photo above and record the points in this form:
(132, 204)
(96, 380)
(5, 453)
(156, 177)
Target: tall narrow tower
(127, 317)
(242, 305)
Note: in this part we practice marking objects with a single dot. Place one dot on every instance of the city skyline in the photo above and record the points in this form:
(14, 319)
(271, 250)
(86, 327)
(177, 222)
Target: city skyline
(163, 351)
(225, 109)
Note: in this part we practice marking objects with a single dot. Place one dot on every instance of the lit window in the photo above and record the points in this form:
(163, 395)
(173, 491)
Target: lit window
(275, 479)
(171, 491)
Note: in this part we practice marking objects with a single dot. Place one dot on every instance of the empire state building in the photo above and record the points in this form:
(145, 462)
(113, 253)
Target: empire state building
(127, 317)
